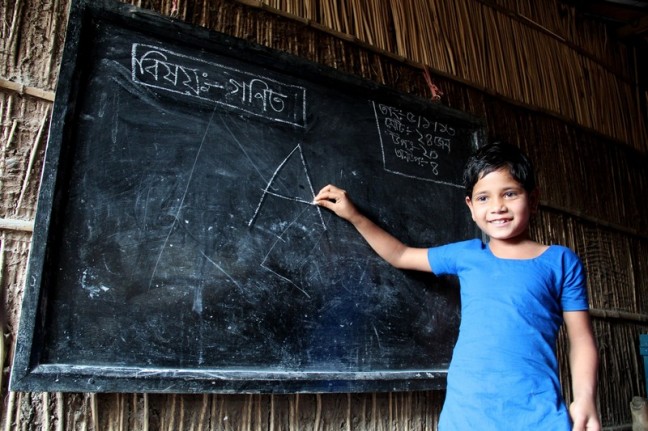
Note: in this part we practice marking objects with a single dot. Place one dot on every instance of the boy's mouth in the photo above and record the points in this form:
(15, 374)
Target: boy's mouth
(500, 221)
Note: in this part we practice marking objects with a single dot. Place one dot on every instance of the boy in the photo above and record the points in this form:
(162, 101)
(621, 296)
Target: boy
(515, 294)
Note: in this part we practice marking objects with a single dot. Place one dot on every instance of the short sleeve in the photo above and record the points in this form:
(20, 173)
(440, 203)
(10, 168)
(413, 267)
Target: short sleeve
(574, 288)
(444, 259)
(440, 260)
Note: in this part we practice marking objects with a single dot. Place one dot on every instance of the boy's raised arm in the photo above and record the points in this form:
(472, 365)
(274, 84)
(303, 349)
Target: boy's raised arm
(386, 245)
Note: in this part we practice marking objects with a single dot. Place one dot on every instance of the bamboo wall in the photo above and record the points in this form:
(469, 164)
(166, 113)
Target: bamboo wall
(558, 86)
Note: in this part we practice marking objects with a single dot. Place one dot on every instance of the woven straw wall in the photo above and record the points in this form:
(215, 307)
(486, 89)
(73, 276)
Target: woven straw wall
(559, 87)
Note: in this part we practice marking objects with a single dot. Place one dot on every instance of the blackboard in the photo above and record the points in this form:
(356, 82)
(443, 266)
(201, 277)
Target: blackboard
(176, 248)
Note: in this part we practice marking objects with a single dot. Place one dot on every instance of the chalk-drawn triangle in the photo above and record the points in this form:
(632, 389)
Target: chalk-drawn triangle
(290, 181)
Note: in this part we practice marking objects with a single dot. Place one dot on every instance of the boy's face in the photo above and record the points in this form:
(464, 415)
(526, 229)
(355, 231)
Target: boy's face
(501, 207)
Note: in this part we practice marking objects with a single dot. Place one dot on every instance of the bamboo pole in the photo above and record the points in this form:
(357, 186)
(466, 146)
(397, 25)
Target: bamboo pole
(14, 126)
(213, 413)
(53, 30)
(348, 412)
(259, 418)
(4, 23)
(363, 415)
(247, 414)
(374, 413)
(60, 412)
(294, 412)
(11, 46)
(145, 416)
(272, 412)
(318, 412)
(94, 411)
(16, 225)
(19, 411)
(32, 159)
(172, 416)
(390, 409)
(9, 410)
(46, 411)
(3, 316)
(121, 409)
(202, 417)
(9, 108)
(21, 89)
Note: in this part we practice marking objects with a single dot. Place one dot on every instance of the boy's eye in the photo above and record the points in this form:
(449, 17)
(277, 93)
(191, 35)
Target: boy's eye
(481, 198)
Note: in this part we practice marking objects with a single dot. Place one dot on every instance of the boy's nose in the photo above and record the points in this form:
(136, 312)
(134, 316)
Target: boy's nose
(498, 206)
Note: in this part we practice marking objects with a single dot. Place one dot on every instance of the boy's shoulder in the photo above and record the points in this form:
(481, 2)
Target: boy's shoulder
(562, 250)
(459, 247)
(468, 244)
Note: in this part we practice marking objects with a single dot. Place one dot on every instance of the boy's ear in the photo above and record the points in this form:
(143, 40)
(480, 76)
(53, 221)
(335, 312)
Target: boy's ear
(470, 207)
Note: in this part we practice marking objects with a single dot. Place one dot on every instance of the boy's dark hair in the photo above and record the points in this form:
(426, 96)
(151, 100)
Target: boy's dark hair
(495, 156)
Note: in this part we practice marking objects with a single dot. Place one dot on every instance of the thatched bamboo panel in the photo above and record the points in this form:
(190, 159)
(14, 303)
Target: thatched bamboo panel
(24, 138)
(610, 275)
(589, 37)
(210, 412)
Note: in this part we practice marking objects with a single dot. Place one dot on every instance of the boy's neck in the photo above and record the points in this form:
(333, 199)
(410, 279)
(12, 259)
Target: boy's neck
(520, 248)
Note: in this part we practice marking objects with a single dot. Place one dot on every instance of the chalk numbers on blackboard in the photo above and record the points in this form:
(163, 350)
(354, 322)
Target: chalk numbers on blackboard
(413, 145)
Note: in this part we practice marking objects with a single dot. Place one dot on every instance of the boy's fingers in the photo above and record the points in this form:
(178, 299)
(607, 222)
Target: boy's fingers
(322, 193)
(327, 188)
(322, 196)
(325, 203)
(330, 193)
(325, 200)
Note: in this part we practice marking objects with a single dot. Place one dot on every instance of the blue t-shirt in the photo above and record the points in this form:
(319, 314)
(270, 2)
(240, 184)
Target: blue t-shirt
(504, 372)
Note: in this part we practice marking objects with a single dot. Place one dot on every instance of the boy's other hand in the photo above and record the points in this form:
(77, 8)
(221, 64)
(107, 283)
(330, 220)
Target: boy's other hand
(338, 201)
(584, 415)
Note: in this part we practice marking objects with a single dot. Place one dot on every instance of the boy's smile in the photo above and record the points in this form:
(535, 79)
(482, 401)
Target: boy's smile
(501, 207)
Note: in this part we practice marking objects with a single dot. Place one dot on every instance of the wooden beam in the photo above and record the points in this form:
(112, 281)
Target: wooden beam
(598, 313)
(635, 29)
(23, 89)
(13, 224)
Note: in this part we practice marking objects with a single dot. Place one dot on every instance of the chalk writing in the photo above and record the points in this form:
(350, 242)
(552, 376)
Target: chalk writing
(165, 70)
(274, 260)
(412, 144)
(267, 190)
